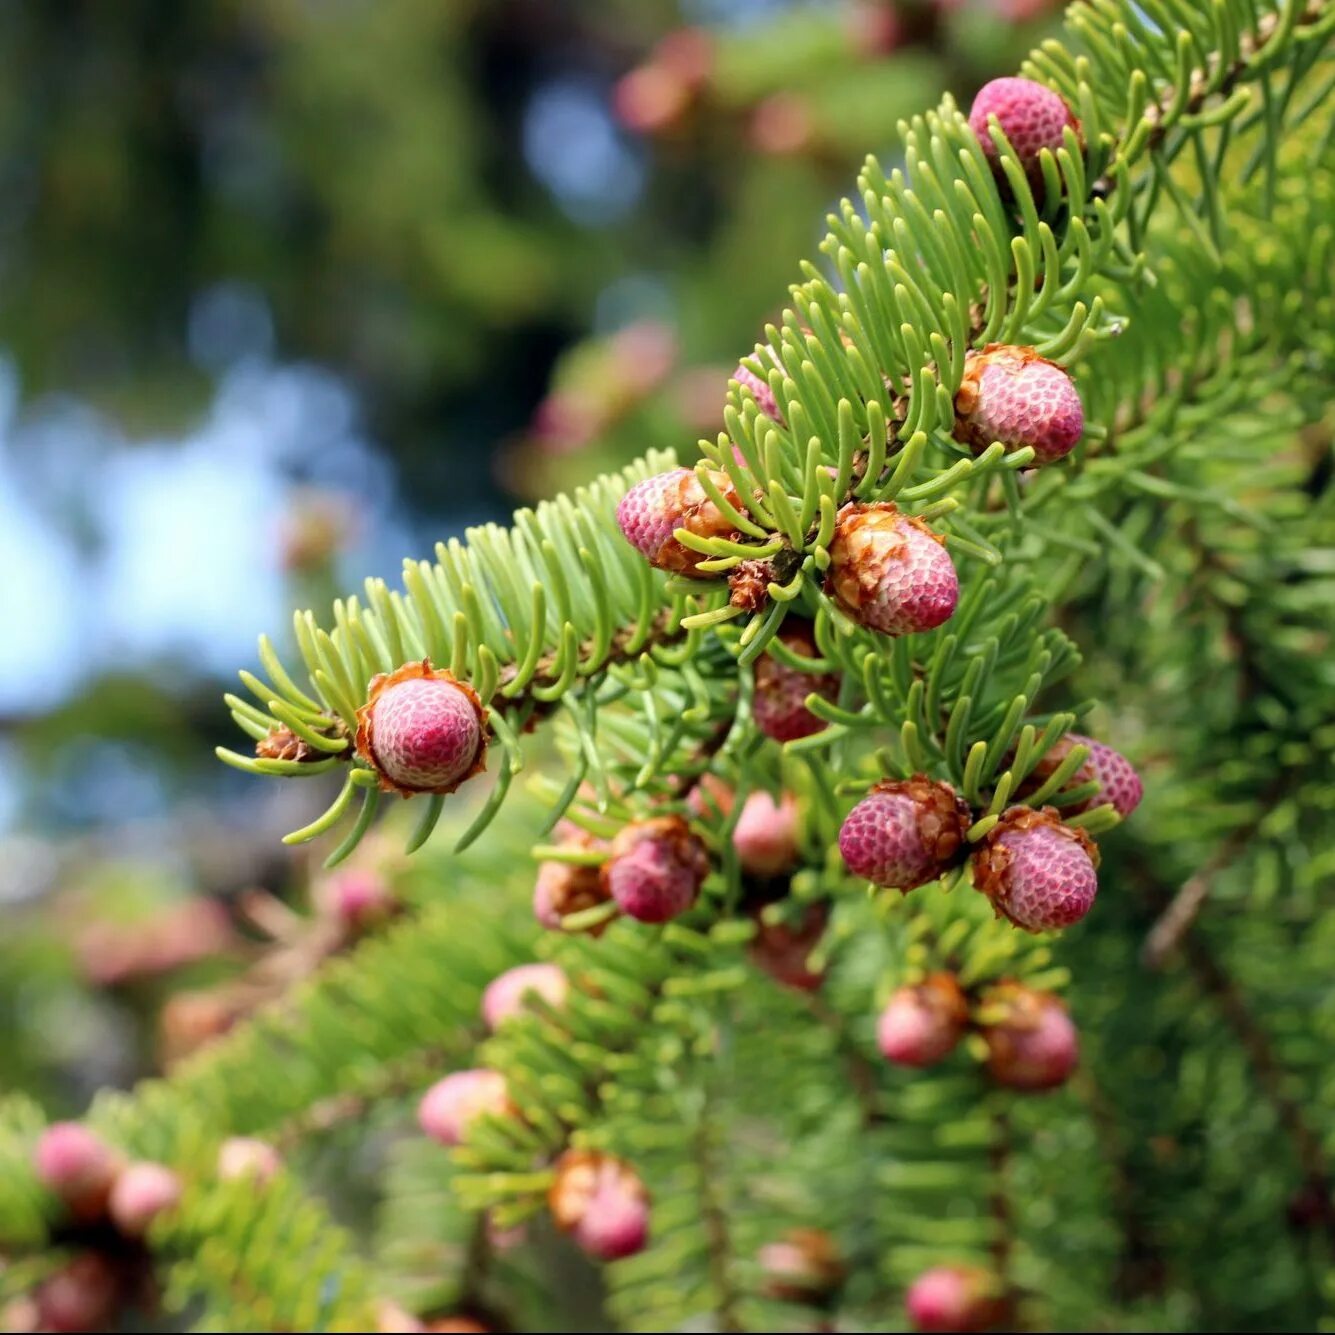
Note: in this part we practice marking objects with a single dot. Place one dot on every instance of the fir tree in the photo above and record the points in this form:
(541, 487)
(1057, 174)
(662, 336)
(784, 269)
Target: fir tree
(1037, 462)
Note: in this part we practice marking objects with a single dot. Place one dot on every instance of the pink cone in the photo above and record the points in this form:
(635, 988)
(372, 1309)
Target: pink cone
(890, 572)
(142, 1192)
(510, 994)
(452, 1104)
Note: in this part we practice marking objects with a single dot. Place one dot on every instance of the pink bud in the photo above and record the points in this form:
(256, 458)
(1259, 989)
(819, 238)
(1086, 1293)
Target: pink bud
(451, 1104)
(760, 390)
(1032, 1043)
(1012, 395)
(765, 835)
(921, 1025)
(1031, 116)
(651, 98)
(357, 898)
(1119, 784)
(781, 125)
(954, 1298)
(905, 833)
(890, 572)
(245, 1157)
(1037, 872)
(391, 1319)
(656, 868)
(75, 1164)
(688, 53)
(650, 513)
(783, 949)
(602, 1202)
(141, 1193)
(82, 1295)
(779, 702)
(804, 1266)
(422, 730)
(509, 994)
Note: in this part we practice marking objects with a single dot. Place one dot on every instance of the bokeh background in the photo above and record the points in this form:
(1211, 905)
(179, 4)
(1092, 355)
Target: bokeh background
(290, 289)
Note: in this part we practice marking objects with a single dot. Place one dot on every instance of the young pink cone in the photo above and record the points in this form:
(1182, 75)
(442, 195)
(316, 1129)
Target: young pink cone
(75, 1164)
(921, 1025)
(656, 868)
(890, 572)
(1032, 1043)
(905, 832)
(358, 899)
(1015, 396)
(564, 888)
(1031, 116)
(82, 1295)
(451, 1104)
(141, 1193)
(650, 513)
(391, 1319)
(783, 949)
(422, 730)
(601, 1201)
(246, 1157)
(778, 704)
(1037, 872)
(954, 1298)
(804, 1266)
(511, 993)
(765, 835)
(759, 387)
(1119, 783)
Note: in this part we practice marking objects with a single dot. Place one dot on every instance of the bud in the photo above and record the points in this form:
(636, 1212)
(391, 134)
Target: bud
(779, 701)
(921, 1025)
(391, 1319)
(82, 1295)
(804, 1266)
(783, 949)
(651, 512)
(650, 99)
(565, 888)
(711, 797)
(954, 1298)
(189, 1020)
(760, 391)
(75, 1164)
(656, 868)
(602, 1202)
(765, 835)
(905, 832)
(1031, 117)
(358, 899)
(509, 994)
(781, 125)
(890, 572)
(1037, 872)
(1119, 783)
(1012, 395)
(141, 1193)
(1031, 1042)
(451, 1104)
(422, 730)
(245, 1157)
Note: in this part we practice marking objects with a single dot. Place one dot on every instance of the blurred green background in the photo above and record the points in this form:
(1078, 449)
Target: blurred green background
(290, 289)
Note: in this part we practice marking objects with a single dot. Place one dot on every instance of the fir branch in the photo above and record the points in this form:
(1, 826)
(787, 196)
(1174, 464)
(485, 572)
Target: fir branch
(1272, 1078)
(714, 1212)
(1177, 918)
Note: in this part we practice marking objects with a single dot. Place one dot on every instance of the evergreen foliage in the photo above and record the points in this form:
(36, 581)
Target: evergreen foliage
(1168, 586)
